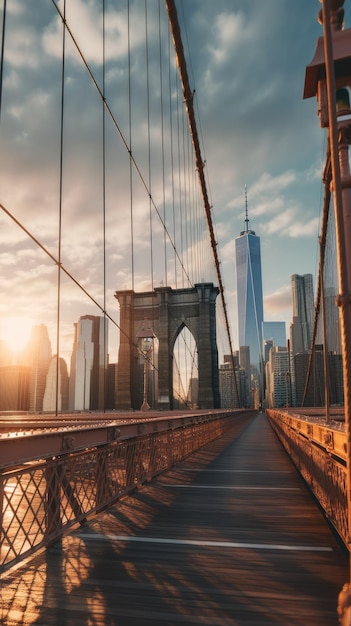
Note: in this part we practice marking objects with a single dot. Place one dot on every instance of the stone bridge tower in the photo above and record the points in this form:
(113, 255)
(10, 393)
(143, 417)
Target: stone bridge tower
(167, 312)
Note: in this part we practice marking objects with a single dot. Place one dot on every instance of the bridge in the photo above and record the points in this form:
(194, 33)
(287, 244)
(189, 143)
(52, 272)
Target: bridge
(160, 505)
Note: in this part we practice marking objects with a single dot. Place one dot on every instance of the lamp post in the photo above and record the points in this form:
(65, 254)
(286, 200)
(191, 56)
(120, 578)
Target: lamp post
(328, 77)
(146, 341)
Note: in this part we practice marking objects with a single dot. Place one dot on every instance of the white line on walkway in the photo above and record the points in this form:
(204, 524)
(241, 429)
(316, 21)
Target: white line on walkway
(211, 544)
(236, 487)
(231, 471)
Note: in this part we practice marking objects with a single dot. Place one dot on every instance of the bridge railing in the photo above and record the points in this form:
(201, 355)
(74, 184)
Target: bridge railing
(319, 453)
(50, 481)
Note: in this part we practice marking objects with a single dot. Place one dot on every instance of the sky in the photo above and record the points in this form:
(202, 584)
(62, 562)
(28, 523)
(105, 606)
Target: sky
(246, 62)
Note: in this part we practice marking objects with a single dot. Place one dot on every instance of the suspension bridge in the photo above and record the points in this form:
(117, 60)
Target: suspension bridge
(184, 512)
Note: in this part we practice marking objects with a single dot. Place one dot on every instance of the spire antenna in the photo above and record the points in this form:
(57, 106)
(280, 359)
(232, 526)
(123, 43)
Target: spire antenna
(246, 213)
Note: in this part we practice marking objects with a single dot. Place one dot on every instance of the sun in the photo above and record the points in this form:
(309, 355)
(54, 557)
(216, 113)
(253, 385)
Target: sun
(16, 331)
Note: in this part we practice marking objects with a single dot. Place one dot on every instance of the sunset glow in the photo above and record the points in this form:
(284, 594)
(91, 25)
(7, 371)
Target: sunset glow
(16, 332)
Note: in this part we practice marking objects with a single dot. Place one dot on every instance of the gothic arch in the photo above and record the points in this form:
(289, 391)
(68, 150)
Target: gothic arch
(181, 374)
(168, 311)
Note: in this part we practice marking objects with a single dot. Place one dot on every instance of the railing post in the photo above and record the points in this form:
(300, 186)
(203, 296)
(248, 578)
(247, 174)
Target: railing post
(102, 490)
(53, 512)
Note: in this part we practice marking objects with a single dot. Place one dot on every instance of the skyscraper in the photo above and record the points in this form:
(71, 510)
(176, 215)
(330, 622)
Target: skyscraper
(89, 359)
(278, 379)
(303, 312)
(14, 387)
(274, 331)
(39, 357)
(249, 291)
(56, 390)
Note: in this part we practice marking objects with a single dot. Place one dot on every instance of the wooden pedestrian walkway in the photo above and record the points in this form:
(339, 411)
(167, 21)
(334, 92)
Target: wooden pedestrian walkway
(229, 537)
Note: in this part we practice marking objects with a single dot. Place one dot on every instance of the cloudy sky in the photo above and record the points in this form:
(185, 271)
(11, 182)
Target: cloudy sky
(246, 62)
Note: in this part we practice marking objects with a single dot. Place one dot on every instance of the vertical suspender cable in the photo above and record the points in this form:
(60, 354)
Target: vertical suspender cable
(60, 207)
(188, 97)
(162, 147)
(180, 188)
(2, 51)
(130, 148)
(193, 221)
(186, 208)
(104, 199)
(327, 177)
(172, 156)
(149, 145)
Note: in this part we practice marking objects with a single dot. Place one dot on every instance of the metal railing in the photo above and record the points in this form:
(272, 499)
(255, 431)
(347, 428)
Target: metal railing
(50, 481)
(319, 453)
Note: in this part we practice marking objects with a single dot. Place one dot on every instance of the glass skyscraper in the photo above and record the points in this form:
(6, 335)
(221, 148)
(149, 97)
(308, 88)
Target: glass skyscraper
(275, 331)
(249, 292)
(303, 312)
(89, 361)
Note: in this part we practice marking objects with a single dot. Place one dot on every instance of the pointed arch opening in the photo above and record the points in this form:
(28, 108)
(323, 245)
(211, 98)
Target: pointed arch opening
(185, 370)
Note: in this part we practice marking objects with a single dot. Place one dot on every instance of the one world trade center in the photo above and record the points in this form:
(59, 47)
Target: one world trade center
(249, 292)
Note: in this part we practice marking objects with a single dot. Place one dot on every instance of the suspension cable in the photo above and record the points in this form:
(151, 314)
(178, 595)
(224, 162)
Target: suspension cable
(188, 97)
(2, 51)
(130, 146)
(162, 142)
(121, 135)
(327, 176)
(149, 144)
(58, 313)
(104, 196)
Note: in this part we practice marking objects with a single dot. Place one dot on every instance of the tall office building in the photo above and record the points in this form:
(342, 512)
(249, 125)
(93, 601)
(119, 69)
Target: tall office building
(39, 357)
(227, 387)
(88, 375)
(268, 344)
(14, 387)
(332, 322)
(301, 328)
(56, 390)
(278, 379)
(275, 332)
(232, 382)
(249, 291)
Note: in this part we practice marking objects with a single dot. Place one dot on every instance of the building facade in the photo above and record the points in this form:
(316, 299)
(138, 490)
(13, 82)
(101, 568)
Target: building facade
(39, 358)
(56, 390)
(227, 386)
(274, 332)
(14, 387)
(249, 292)
(301, 328)
(87, 385)
(278, 381)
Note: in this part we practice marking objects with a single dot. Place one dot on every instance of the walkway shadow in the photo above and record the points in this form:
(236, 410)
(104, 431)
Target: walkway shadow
(171, 576)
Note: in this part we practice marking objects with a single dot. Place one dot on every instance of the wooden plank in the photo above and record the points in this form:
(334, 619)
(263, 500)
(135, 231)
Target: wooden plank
(230, 536)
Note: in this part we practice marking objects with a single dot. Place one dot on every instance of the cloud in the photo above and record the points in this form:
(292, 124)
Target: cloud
(303, 229)
(230, 29)
(278, 303)
(255, 130)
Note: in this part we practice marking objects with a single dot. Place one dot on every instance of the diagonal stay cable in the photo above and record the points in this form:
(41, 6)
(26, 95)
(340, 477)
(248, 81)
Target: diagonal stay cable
(75, 281)
(124, 141)
(57, 262)
(188, 97)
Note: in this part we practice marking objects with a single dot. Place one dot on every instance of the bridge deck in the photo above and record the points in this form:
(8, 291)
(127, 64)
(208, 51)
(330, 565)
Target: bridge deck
(230, 536)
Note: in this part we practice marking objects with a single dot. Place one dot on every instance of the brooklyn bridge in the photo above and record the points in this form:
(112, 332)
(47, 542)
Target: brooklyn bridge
(167, 454)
